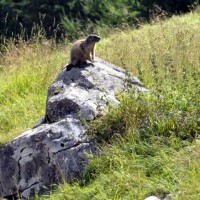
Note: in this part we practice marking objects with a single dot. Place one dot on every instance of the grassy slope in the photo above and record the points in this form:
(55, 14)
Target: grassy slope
(151, 149)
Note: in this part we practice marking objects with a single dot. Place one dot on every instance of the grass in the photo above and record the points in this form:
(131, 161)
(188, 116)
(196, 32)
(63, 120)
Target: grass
(151, 143)
(26, 72)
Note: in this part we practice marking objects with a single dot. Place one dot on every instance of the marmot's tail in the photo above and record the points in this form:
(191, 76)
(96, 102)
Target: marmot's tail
(68, 67)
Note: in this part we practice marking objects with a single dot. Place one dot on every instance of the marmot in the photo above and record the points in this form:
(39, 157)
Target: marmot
(83, 50)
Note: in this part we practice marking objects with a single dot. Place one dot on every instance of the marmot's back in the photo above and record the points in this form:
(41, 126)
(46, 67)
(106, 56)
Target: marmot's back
(76, 53)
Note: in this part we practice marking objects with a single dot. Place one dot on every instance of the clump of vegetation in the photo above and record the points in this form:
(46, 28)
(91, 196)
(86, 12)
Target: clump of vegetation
(149, 143)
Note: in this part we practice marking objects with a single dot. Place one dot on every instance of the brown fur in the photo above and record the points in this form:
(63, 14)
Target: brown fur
(83, 50)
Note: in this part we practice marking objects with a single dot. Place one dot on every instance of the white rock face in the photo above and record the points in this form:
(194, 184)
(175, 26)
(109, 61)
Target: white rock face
(152, 198)
(56, 149)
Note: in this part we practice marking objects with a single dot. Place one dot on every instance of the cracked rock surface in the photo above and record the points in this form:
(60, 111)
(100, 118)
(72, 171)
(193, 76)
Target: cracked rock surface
(57, 148)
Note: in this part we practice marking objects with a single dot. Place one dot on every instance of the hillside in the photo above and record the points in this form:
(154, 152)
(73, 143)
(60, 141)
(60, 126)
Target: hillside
(152, 144)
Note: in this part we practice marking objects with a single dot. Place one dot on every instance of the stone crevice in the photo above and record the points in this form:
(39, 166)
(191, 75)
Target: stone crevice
(22, 149)
(48, 157)
(33, 184)
(19, 168)
(71, 147)
(116, 76)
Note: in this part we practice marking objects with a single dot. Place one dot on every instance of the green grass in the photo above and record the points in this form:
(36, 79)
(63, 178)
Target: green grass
(149, 141)
(26, 72)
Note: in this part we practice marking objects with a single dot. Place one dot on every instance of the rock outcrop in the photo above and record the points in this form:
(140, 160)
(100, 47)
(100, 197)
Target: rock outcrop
(57, 148)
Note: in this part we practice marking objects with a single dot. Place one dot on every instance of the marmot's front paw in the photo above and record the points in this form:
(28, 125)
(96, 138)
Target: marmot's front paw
(93, 60)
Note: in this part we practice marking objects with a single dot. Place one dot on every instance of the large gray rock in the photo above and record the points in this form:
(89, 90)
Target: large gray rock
(57, 148)
(86, 92)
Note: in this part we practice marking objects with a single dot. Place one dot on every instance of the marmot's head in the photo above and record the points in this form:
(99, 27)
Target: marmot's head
(92, 38)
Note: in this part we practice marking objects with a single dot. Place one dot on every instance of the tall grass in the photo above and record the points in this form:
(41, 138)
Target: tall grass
(26, 71)
(149, 141)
